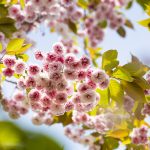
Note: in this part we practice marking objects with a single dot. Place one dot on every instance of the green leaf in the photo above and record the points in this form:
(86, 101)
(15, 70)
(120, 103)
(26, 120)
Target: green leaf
(1, 47)
(22, 3)
(109, 143)
(65, 119)
(136, 68)
(109, 60)
(7, 26)
(3, 11)
(142, 83)
(103, 24)
(145, 23)
(14, 46)
(116, 91)
(121, 73)
(104, 97)
(121, 31)
(143, 3)
(134, 91)
(129, 5)
(83, 3)
(72, 26)
(138, 110)
(129, 24)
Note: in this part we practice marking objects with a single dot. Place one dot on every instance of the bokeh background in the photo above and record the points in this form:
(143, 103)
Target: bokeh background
(137, 42)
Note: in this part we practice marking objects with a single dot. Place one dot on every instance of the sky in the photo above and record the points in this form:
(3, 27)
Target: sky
(137, 42)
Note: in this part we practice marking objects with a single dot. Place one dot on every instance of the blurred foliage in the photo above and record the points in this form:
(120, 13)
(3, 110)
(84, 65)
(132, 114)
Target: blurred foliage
(14, 138)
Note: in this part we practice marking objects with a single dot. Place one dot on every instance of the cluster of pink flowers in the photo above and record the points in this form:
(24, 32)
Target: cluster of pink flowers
(104, 12)
(13, 66)
(63, 83)
(139, 136)
(58, 14)
(78, 135)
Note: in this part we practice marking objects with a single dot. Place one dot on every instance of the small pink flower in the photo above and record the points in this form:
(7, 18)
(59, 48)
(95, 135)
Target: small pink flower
(56, 76)
(23, 110)
(14, 10)
(37, 120)
(45, 100)
(88, 96)
(76, 99)
(51, 94)
(48, 121)
(81, 75)
(8, 72)
(83, 87)
(33, 70)
(55, 67)
(61, 86)
(58, 48)
(21, 83)
(30, 82)
(57, 109)
(51, 57)
(9, 61)
(69, 60)
(34, 95)
(70, 74)
(38, 55)
(61, 98)
(20, 67)
(85, 62)
(98, 76)
(69, 106)
(19, 96)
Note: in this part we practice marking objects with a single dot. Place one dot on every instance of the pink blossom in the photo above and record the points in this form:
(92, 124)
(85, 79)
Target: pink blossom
(8, 72)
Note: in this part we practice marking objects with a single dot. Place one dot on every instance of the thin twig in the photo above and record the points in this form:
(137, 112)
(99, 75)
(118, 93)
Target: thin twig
(13, 82)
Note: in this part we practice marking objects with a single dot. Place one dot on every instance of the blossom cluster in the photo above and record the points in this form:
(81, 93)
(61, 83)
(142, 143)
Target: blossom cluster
(104, 13)
(58, 14)
(62, 83)
(139, 136)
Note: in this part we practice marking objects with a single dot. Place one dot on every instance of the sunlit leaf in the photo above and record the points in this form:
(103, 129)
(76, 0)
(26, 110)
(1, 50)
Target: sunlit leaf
(14, 46)
(104, 97)
(145, 23)
(119, 134)
(22, 3)
(123, 74)
(134, 91)
(83, 3)
(116, 91)
(109, 60)
(1, 47)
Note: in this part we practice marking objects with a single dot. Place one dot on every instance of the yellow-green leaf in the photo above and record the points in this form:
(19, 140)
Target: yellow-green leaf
(104, 97)
(134, 91)
(145, 23)
(109, 60)
(1, 47)
(24, 48)
(83, 3)
(123, 74)
(119, 134)
(22, 3)
(14, 46)
(116, 91)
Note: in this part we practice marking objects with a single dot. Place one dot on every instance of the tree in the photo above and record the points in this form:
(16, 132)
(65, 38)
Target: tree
(108, 99)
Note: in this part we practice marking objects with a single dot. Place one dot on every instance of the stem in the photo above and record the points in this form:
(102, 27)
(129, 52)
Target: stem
(13, 82)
